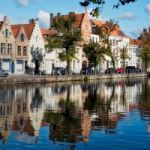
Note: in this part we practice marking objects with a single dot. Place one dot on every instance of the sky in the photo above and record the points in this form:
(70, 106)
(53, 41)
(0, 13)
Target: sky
(132, 18)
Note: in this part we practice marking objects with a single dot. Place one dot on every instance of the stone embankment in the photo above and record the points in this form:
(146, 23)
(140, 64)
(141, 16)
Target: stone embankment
(27, 79)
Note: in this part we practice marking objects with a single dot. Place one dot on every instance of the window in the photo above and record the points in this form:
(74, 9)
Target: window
(6, 33)
(3, 48)
(24, 51)
(9, 49)
(36, 38)
(22, 37)
(19, 50)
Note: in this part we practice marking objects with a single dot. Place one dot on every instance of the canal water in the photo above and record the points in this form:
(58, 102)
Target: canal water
(106, 115)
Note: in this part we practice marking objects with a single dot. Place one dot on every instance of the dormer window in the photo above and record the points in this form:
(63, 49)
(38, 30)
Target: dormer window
(22, 37)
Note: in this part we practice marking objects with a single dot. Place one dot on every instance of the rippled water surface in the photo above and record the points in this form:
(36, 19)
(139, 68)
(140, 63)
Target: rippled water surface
(106, 115)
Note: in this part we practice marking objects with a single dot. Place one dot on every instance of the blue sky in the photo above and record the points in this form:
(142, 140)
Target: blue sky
(131, 18)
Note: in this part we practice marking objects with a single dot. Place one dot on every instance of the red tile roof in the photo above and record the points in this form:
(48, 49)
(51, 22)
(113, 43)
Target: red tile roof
(135, 42)
(116, 32)
(79, 18)
(48, 32)
(1, 23)
(27, 27)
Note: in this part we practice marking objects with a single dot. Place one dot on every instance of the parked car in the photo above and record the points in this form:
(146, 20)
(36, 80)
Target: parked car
(130, 69)
(86, 71)
(3, 73)
(110, 70)
(138, 70)
(59, 71)
(120, 70)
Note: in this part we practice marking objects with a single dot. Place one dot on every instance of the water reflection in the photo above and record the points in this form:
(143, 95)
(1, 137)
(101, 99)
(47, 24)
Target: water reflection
(70, 111)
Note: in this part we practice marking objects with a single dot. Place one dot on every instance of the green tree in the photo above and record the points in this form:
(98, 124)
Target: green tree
(124, 55)
(37, 58)
(105, 32)
(66, 39)
(99, 4)
(94, 52)
(145, 55)
(144, 39)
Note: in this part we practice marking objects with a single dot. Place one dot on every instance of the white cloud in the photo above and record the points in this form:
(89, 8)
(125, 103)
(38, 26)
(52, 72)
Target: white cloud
(44, 18)
(128, 16)
(23, 2)
(136, 33)
(147, 8)
(1, 16)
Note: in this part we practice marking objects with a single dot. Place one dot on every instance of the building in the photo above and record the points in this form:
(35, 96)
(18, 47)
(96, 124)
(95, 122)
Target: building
(29, 40)
(7, 47)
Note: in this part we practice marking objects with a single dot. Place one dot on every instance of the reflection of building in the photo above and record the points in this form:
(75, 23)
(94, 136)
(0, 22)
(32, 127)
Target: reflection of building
(7, 110)
(72, 110)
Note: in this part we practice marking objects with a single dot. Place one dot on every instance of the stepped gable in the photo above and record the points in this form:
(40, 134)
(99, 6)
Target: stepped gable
(27, 27)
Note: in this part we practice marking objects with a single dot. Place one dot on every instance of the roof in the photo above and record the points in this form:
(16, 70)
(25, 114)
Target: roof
(79, 18)
(48, 32)
(27, 27)
(1, 23)
(116, 32)
(135, 42)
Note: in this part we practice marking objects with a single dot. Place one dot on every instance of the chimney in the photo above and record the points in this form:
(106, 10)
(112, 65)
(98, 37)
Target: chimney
(31, 21)
(58, 14)
(51, 19)
(72, 13)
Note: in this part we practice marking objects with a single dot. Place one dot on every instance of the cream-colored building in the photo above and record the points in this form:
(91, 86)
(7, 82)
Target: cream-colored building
(7, 47)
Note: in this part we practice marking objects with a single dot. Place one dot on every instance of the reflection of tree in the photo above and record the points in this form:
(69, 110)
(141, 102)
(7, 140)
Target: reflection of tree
(36, 100)
(66, 124)
(59, 89)
(144, 103)
(101, 106)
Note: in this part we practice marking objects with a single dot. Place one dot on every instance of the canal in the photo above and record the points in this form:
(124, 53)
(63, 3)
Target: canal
(106, 114)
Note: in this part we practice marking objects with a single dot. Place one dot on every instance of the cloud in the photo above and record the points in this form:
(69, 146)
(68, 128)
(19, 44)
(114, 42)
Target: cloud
(1, 16)
(128, 16)
(22, 2)
(136, 33)
(44, 18)
(147, 8)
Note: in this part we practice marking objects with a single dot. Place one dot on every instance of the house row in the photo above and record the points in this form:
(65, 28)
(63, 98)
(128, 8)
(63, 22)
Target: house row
(17, 42)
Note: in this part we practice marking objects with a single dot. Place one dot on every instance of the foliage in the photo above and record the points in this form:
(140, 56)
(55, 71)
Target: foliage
(94, 52)
(105, 31)
(66, 39)
(37, 54)
(144, 38)
(99, 5)
(145, 55)
(37, 58)
(124, 55)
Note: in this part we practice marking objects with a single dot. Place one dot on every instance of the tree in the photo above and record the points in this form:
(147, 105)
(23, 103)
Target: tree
(94, 52)
(66, 39)
(37, 58)
(145, 56)
(105, 32)
(124, 55)
(144, 39)
(99, 5)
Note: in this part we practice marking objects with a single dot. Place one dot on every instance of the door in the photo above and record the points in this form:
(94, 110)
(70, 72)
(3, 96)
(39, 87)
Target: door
(12, 67)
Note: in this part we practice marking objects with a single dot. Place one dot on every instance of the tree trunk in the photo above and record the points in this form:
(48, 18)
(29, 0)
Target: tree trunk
(69, 67)
(37, 67)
